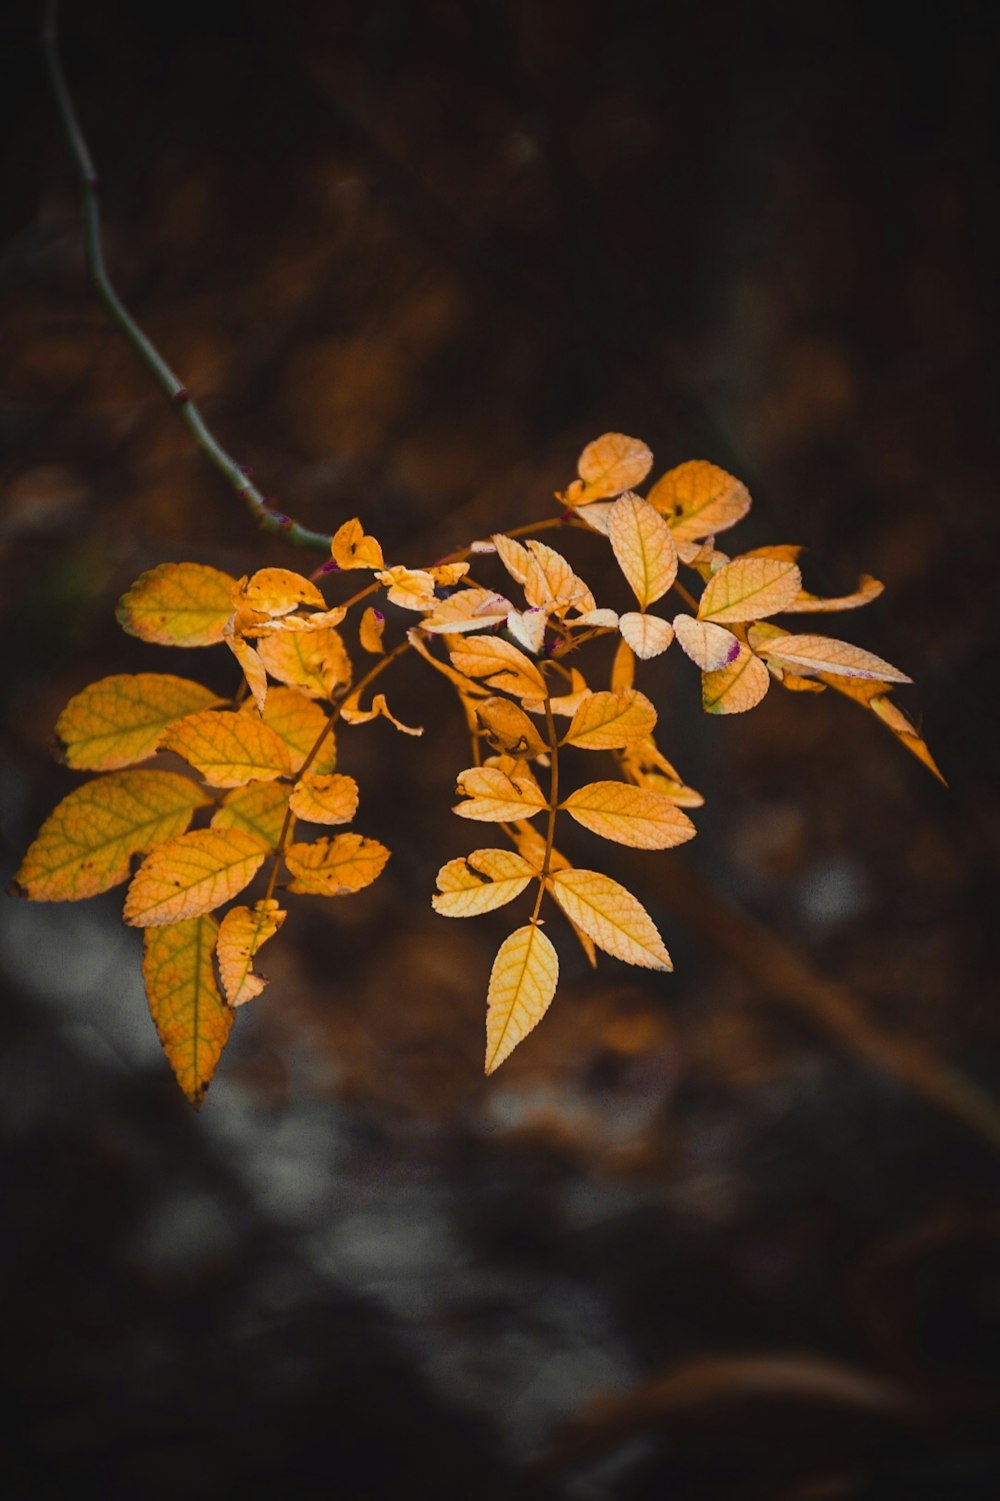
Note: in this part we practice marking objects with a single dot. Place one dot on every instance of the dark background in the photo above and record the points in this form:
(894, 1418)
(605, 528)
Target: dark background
(410, 258)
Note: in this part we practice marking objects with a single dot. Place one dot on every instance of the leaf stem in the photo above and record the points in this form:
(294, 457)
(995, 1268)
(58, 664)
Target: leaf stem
(550, 833)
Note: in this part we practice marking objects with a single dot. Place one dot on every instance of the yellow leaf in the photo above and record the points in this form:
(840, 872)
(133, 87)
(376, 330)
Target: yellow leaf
(278, 591)
(467, 610)
(87, 842)
(806, 603)
(354, 714)
(808, 654)
(532, 846)
(703, 557)
(607, 721)
(370, 631)
(243, 932)
(319, 620)
(699, 499)
(623, 667)
(709, 646)
(446, 574)
(191, 1019)
(500, 663)
(483, 881)
(611, 916)
(875, 696)
(119, 720)
(750, 589)
(258, 809)
(647, 635)
(334, 867)
(178, 604)
(513, 555)
(736, 688)
(550, 583)
(299, 722)
(522, 983)
(644, 547)
(190, 875)
(229, 748)
(410, 588)
(316, 662)
(351, 548)
(528, 627)
(508, 728)
(320, 799)
(631, 815)
(495, 795)
(609, 465)
(251, 663)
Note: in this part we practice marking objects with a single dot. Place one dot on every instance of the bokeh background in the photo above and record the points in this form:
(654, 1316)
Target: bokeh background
(732, 1232)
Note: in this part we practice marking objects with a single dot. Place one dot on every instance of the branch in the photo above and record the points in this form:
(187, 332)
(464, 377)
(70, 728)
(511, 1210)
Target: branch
(177, 394)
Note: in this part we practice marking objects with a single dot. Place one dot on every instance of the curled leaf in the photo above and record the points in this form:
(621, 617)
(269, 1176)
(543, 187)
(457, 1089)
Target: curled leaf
(352, 713)
(522, 983)
(508, 728)
(370, 631)
(868, 589)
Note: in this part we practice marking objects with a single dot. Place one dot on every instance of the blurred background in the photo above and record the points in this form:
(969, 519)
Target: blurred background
(731, 1232)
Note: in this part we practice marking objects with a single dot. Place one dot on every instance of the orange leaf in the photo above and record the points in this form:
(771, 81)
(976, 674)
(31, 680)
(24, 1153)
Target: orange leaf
(644, 547)
(500, 663)
(508, 728)
(335, 867)
(119, 720)
(699, 499)
(278, 591)
(229, 748)
(607, 721)
(630, 815)
(467, 610)
(352, 713)
(315, 662)
(178, 604)
(807, 654)
(321, 799)
(750, 589)
(495, 795)
(190, 1017)
(611, 916)
(86, 844)
(190, 875)
(522, 983)
(410, 588)
(609, 465)
(709, 646)
(735, 688)
(351, 548)
(867, 590)
(243, 932)
(299, 722)
(483, 881)
(250, 662)
(370, 631)
(550, 583)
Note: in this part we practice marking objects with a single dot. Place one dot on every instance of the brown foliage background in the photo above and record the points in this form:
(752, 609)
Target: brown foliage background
(411, 257)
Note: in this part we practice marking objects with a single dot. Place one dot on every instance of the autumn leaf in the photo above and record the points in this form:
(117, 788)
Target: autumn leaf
(533, 847)
(609, 465)
(607, 721)
(351, 548)
(646, 765)
(251, 664)
(178, 604)
(191, 1019)
(496, 796)
(550, 583)
(709, 646)
(335, 867)
(875, 696)
(647, 635)
(565, 704)
(410, 588)
(807, 654)
(868, 589)
(699, 499)
(315, 662)
(630, 815)
(641, 541)
(508, 728)
(352, 713)
(229, 748)
(278, 591)
(483, 881)
(522, 983)
(528, 627)
(735, 688)
(119, 720)
(299, 722)
(623, 667)
(500, 663)
(749, 589)
(258, 809)
(191, 875)
(243, 932)
(325, 799)
(467, 610)
(370, 631)
(616, 921)
(86, 844)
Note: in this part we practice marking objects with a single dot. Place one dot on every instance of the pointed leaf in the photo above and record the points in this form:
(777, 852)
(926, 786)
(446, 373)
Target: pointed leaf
(806, 603)
(251, 664)
(119, 720)
(467, 610)
(623, 667)
(823, 654)
(749, 589)
(647, 635)
(483, 881)
(522, 983)
(352, 548)
(611, 916)
(190, 875)
(335, 867)
(228, 748)
(352, 713)
(258, 809)
(736, 688)
(325, 799)
(630, 815)
(191, 1019)
(551, 584)
(243, 932)
(699, 499)
(709, 646)
(644, 547)
(178, 604)
(607, 721)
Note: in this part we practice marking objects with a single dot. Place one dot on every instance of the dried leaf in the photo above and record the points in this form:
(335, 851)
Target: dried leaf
(258, 809)
(646, 765)
(868, 589)
(750, 589)
(736, 688)
(229, 748)
(808, 654)
(410, 588)
(178, 604)
(508, 728)
(500, 663)
(299, 722)
(352, 548)
(607, 721)
(337, 866)
(325, 799)
(86, 844)
(352, 713)
(647, 635)
(522, 983)
(709, 646)
(243, 932)
(278, 591)
(315, 662)
(119, 720)
(483, 881)
(528, 627)
(250, 662)
(699, 499)
(630, 815)
(191, 1019)
(616, 921)
(370, 631)
(644, 547)
(468, 610)
(446, 574)
(190, 875)
(494, 796)
(609, 465)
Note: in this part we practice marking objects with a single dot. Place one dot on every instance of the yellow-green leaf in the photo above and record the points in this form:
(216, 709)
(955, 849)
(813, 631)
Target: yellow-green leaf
(616, 921)
(335, 867)
(483, 881)
(315, 662)
(699, 499)
(119, 720)
(522, 983)
(749, 589)
(190, 875)
(735, 688)
(644, 547)
(191, 1019)
(229, 748)
(178, 604)
(258, 809)
(243, 932)
(325, 799)
(607, 721)
(630, 815)
(86, 844)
